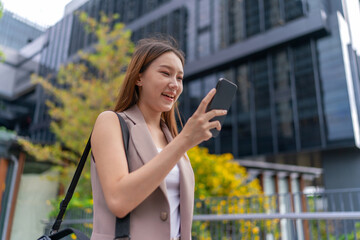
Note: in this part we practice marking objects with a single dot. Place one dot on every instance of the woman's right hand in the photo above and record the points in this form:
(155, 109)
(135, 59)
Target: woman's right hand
(197, 128)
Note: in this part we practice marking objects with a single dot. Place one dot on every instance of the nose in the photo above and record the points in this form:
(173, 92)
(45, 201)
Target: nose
(174, 84)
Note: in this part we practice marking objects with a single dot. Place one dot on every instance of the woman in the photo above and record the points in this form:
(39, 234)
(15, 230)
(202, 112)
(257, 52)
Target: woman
(159, 190)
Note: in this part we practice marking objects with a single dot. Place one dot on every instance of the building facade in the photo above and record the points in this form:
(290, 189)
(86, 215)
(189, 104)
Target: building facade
(16, 32)
(296, 64)
(21, 43)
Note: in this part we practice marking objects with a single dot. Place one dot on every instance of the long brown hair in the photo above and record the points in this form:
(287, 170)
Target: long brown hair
(146, 51)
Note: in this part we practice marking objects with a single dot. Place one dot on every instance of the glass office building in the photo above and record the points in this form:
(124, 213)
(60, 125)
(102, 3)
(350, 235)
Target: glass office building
(296, 64)
(16, 32)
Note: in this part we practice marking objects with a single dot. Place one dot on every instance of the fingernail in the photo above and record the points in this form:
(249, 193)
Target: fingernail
(224, 111)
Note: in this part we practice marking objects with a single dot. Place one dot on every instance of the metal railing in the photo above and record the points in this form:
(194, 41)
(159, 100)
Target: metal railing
(297, 226)
(333, 214)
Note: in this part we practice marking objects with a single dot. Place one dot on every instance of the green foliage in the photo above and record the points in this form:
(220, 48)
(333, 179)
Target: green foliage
(4, 129)
(82, 90)
(77, 94)
(222, 186)
(2, 57)
(219, 175)
(334, 230)
(1, 9)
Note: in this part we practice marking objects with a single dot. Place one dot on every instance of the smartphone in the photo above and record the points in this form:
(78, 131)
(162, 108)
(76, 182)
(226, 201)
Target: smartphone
(225, 92)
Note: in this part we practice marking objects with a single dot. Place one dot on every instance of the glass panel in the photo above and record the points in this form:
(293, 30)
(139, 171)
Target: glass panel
(306, 96)
(152, 28)
(209, 83)
(223, 25)
(243, 111)
(204, 44)
(252, 17)
(163, 22)
(236, 20)
(131, 10)
(259, 73)
(176, 24)
(210, 145)
(272, 13)
(204, 13)
(337, 116)
(119, 9)
(148, 6)
(226, 135)
(195, 95)
(293, 9)
(283, 102)
(16, 33)
(181, 103)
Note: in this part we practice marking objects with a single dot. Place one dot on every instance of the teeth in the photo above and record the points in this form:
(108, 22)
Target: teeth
(168, 95)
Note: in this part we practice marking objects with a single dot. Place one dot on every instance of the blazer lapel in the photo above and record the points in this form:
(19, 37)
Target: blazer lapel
(141, 137)
(186, 195)
(186, 188)
(145, 147)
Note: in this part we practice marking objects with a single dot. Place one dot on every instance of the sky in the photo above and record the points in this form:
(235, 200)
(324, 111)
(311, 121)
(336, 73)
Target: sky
(43, 12)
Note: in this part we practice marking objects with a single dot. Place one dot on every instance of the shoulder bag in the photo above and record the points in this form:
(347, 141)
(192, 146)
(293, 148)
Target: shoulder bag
(122, 228)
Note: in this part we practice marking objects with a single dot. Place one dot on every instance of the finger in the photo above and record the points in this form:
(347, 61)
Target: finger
(206, 100)
(208, 136)
(214, 113)
(214, 124)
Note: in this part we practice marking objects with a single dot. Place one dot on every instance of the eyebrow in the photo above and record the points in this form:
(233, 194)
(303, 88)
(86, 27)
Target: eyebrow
(171, 68)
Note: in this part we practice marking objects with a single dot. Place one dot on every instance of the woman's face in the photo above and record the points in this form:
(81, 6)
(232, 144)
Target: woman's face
(161, 83)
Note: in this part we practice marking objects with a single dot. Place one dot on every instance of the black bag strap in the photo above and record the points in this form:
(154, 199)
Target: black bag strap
(122, 225)
(65, 232)
(64, 203)
(122, 228)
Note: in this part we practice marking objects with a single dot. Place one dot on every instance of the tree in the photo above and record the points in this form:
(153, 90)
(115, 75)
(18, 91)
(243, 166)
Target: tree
(78, 93)
(1, 53)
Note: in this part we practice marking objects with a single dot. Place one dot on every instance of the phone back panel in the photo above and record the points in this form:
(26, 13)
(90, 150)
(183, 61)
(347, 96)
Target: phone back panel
(225, 92)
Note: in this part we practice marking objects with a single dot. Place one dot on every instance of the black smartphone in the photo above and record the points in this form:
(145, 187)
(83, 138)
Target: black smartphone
(225, 92)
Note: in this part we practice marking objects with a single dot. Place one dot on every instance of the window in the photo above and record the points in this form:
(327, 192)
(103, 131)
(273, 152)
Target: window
(283, 101)
(306, 96)
(243, 111)
(335, 100)
(272, 13)
(260, 80)
(236, 21)
(195, 94)
(293, 9)
(252, 17)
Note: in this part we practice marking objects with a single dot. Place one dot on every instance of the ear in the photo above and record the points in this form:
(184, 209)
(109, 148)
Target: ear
(139, 80)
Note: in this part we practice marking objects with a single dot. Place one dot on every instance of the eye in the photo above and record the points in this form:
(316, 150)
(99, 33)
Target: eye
(180, 78)
(165, 73)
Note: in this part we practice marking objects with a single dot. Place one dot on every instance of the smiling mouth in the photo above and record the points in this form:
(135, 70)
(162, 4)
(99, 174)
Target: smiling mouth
(169, 96)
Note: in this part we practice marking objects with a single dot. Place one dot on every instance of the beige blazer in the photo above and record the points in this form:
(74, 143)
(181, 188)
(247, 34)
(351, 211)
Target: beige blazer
(149, 220)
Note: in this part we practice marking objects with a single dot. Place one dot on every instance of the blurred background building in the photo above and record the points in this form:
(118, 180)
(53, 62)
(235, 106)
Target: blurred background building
(17, 42)
(21, 43)
(294, 123)
(16, 32)
(296, 63)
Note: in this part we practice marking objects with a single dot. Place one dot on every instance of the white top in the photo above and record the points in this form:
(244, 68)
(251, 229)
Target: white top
(172, 181)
